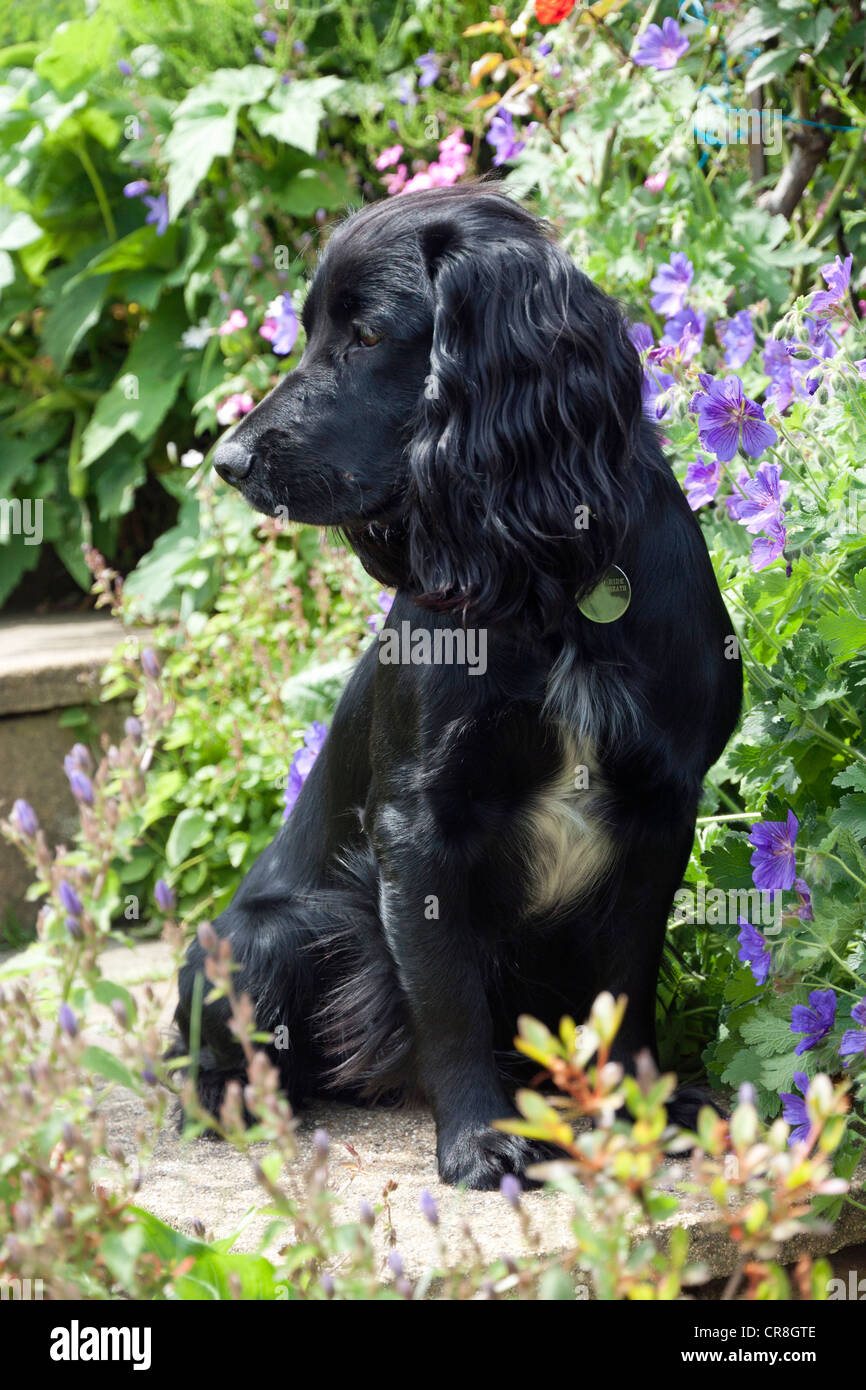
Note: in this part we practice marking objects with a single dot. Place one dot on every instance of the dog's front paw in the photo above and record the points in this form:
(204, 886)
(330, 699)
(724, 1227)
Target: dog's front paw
(686, 1104)
(480, 1157)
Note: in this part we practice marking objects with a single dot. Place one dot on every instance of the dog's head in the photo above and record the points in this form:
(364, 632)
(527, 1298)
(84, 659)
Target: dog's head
(466, 410)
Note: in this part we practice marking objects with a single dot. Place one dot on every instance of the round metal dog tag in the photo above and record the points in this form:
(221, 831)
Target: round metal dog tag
(609, 599)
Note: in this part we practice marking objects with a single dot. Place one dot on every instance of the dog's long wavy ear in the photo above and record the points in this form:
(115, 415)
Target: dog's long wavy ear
(521, 486)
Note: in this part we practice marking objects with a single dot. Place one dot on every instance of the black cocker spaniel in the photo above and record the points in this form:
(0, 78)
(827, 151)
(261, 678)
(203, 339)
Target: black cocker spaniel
(505, 803)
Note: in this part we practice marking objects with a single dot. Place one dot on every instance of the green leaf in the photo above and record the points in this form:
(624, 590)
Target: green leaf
(120, 1251)
(139, 250)
(556, 1287)
(326, 186)
(728, 864)
(17, 229)
(844, 632)
(773, 63)
(294, 112)
(116, 480)
(853, 776)
(77, 51)
(190, 150)
(212, 1270)
(15, 561)
(229, 88)
(72, 314)
(140, 397)
(97, 1060)
(768, 1035)
(106, 991)
(68, 547)
(852, 814)
(189, 830)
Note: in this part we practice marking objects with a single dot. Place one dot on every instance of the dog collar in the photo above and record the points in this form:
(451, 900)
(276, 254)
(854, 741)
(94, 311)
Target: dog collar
(609, 599)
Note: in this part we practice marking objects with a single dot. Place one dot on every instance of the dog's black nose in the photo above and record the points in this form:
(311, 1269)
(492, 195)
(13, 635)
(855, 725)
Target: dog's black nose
(232, 461)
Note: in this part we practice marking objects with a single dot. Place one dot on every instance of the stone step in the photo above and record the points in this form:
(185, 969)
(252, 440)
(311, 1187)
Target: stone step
(47, 664)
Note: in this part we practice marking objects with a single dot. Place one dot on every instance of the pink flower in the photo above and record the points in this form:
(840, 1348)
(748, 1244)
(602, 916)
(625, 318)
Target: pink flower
(233, 407)
(418, 181)
(236, 320)
(654, 183)
(388, 157)
(442, 173)
(394, 183)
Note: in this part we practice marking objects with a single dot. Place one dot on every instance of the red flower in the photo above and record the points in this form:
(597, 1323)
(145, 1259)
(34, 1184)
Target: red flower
(552, 11)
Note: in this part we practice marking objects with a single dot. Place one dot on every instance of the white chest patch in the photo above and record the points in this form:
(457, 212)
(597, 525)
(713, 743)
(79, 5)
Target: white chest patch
(567, 845)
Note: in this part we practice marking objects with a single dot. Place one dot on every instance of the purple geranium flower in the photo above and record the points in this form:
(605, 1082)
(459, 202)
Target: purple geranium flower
(68, 1021)
(24, 818)
(302, 762)
(164, 895)
(738, 339)
(430, 1211)
(754, 951)
(385, 602)
(684, 332)
(854, 1039)
(501, 136)
(728, 419)
(769, 547)
(158, 215)
(794, 1109)
(406, 94)
(671, 283)
(702, 481)
(642, 336)
(136, 189)
(818, 331)
(765, 494)
(150, 663)
(511, 1189)
(837, 278)
(78, 757)
(661, 47)
(804, 911)
(653, 387)
(654, 382)
(428, 64)
(69, 898)
(270, 36)
(773, 863)
(788, 372)
(815, 1019)
(81, 787)
(280, 327)
(124, 67)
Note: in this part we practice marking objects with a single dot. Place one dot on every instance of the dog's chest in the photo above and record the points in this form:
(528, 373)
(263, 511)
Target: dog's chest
(566, 844)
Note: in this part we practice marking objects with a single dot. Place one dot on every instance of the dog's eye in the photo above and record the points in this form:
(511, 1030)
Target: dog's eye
(367, 336)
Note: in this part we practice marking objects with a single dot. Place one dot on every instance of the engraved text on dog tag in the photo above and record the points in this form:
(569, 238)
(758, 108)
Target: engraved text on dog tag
(609, 599)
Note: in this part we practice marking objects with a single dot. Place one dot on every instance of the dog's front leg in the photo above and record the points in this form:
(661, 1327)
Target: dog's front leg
(442, 969)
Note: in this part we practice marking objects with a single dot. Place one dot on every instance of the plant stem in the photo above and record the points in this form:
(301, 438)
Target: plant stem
(96, 184)
(835, 198)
